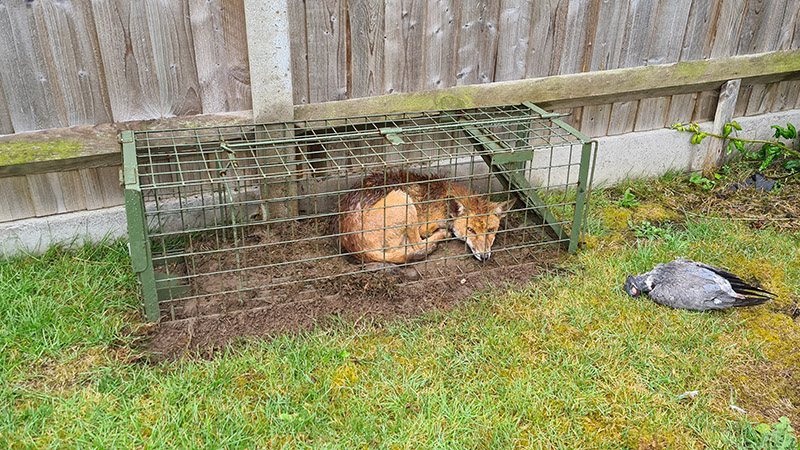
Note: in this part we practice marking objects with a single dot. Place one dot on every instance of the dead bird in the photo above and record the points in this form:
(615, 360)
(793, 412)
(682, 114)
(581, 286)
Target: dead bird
(695, 286)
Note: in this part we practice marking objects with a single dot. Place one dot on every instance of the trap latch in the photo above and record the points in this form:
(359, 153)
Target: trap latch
(392, 134)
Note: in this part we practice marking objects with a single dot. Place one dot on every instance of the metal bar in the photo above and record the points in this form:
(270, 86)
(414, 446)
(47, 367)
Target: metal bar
(580, 197)
(140, 251)
(512, 180)
(138, 241)
(130, 173)
(570, 129)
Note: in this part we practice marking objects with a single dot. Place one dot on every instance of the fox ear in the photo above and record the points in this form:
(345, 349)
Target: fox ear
(501, 208)
(457, 208)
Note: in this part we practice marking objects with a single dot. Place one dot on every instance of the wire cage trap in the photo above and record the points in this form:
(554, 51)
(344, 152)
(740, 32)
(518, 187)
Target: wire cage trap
(239, 216)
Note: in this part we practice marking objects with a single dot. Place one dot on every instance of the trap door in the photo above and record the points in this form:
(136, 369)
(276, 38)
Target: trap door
(507, 163)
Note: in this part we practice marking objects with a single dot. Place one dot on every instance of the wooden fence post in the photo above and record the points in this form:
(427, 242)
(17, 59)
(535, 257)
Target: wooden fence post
(715, 153)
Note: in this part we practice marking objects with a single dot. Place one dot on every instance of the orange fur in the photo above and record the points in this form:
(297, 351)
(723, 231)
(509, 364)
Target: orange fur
(399, 217)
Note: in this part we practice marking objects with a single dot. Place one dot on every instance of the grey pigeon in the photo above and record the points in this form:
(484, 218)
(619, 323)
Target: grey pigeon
(695, 286)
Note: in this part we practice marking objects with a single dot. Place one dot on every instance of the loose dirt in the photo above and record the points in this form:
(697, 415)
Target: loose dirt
(307, 282)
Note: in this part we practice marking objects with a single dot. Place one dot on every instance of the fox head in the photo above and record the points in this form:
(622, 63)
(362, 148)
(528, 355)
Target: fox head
(475, 221)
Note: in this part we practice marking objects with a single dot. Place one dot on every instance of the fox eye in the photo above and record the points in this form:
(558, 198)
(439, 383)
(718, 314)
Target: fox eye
(470, 230)
(492, 230)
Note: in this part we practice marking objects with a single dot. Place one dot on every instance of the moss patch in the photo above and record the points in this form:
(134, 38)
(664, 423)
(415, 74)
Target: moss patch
(18, 152)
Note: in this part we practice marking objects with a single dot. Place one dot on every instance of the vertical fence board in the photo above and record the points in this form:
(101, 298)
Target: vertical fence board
(366, 47)
(405, 39)
(706, 103)
(441, 40)
(110, 187)
(477, 50)
(327, 50)
(760, 31)
(46, 195)
(235, 34)
(788, 92)
(28, 76)
(209, 48)
(76, 54)
(595, 120)
(173, 53)
(726, 28)
(513, 39)
(297, 43)
(639, 23)
(705, 106)
(6, 127)
(16, 202)
(761, 99)
(608, 31)
(743, 100)
(760, 26)
(127, 56)
(680, 108)
(92, 188)
(220, 51)
(572, 54)
(696, 45)
(664, 48)
(548, 19)
(571, 43)
(72, 190)
(723, 43)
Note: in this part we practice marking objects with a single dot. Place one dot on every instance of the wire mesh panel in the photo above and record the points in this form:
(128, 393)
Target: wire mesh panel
(232, 217)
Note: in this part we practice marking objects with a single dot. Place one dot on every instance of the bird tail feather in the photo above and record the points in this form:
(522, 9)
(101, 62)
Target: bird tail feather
(740, 287)
(750, 301)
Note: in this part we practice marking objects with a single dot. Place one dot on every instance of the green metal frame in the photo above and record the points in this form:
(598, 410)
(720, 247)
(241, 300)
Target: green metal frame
(139, 242)
(501, 158)
(506, 163)
(588, 149)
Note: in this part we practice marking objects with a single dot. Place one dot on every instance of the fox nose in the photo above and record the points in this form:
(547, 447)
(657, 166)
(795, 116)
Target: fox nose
(482, 257)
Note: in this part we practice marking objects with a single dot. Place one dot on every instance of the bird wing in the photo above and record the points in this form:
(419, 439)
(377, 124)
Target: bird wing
(698, 287)
(739, 285)
(692, 292)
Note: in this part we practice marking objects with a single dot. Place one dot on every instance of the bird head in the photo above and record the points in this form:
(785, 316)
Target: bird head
(632, 287)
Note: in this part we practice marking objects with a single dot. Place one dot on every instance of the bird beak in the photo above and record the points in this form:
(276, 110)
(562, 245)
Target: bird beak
(630, 287)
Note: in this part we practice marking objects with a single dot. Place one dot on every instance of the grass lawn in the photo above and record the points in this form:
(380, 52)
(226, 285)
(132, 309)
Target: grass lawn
(568, 361)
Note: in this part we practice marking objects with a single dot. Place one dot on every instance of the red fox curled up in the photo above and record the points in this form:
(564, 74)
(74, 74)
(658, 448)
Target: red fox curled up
(399, 217)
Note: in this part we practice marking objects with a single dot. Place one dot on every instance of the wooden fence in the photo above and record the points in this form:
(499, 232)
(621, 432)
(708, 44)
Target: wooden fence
(361, 48)
(82, 62)
(70, 62)
(65, 185)
(92, 182)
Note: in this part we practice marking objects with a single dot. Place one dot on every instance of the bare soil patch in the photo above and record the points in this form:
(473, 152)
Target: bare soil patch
(317, 284)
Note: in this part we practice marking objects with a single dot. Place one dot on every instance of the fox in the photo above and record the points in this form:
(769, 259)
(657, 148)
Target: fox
(401, 216)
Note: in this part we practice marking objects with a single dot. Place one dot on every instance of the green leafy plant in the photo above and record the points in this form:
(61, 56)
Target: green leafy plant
(647, 230)
(777, 436)
(769, 151)
(628, 200)
(703, 182)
